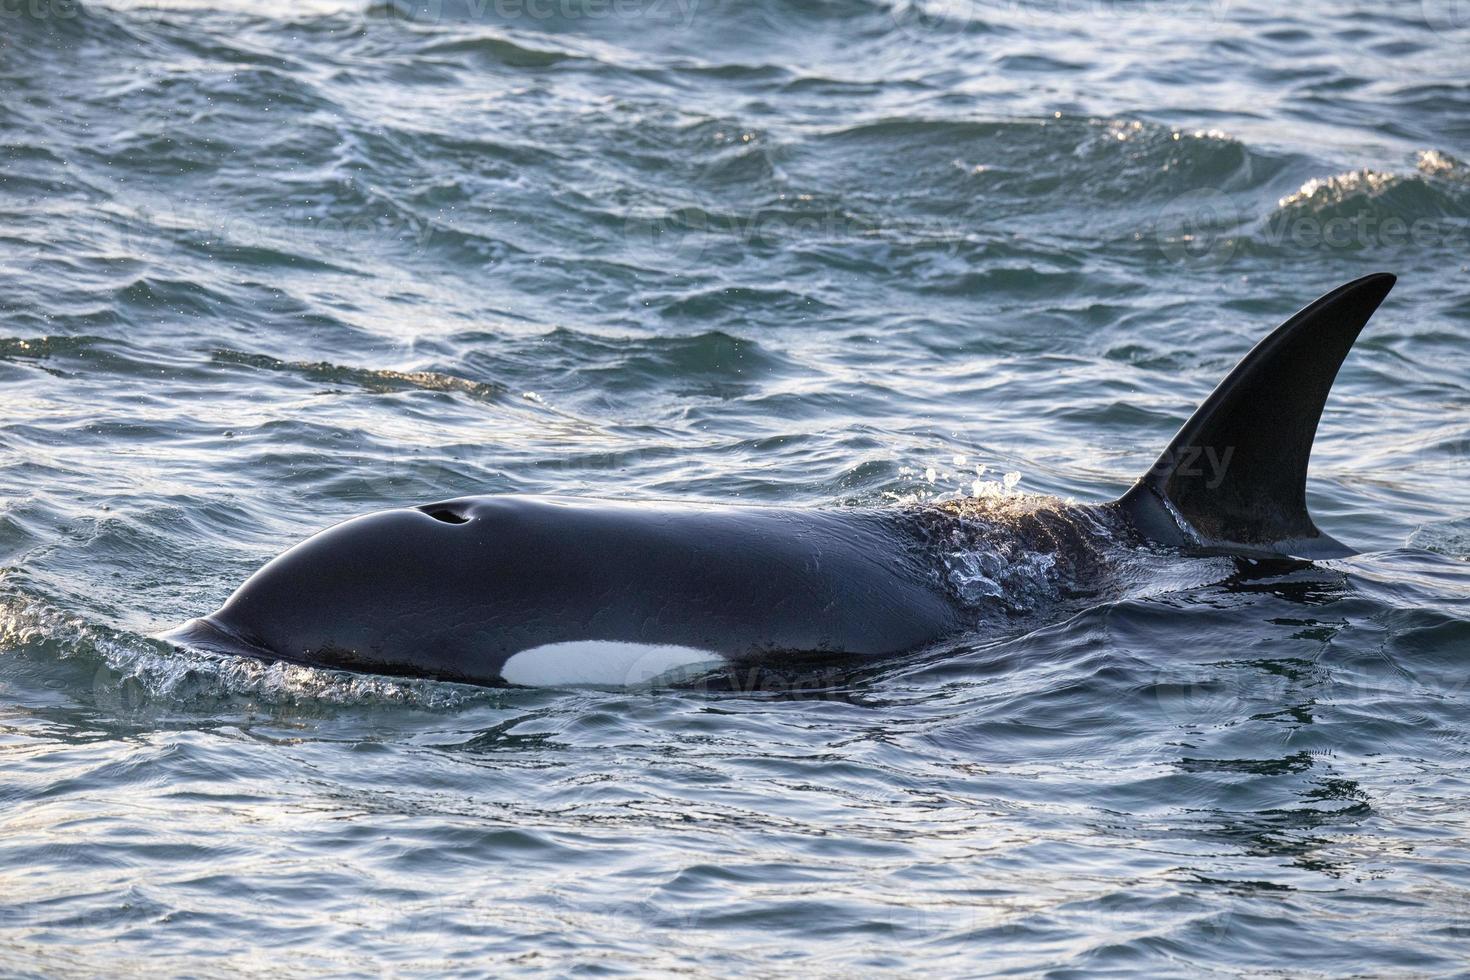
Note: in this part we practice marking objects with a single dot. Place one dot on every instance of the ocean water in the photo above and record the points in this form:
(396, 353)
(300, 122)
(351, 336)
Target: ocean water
(266, 265)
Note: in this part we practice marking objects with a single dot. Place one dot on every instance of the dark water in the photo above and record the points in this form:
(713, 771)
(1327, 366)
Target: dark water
(270, 265)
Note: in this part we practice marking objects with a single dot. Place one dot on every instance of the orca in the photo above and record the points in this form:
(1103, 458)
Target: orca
(530, 590)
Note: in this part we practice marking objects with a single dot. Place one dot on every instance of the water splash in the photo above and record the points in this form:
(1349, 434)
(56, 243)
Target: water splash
(133, 673)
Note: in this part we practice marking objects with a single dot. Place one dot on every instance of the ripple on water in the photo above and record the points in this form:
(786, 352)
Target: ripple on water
(273, 265)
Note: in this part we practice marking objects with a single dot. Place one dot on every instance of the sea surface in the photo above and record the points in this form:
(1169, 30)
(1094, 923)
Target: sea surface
(268, 265)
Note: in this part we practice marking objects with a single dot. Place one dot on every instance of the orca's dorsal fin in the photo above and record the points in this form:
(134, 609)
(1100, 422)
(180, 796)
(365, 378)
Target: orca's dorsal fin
(1235, 477)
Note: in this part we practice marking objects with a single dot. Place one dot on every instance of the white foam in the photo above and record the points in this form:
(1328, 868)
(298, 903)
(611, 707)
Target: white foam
(604, 663)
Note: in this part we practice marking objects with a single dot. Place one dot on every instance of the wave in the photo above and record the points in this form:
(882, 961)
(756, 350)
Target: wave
(130, 676)
(498, 50)
(380, 380)
(1373, 210)
(1439, 188)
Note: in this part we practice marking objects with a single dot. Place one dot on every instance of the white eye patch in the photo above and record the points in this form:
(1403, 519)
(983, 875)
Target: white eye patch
(605, 663)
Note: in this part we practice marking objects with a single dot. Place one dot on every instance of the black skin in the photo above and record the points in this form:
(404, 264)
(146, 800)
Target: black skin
(452, 590)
